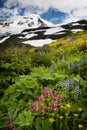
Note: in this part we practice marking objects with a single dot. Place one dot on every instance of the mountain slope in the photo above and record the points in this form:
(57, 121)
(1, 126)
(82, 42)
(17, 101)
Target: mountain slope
(35, 31)
(17, 25)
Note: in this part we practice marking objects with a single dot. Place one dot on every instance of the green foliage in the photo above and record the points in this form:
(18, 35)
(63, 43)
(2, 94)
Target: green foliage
(25, 119)
(41, 60)
(43, 124)
(25, 71)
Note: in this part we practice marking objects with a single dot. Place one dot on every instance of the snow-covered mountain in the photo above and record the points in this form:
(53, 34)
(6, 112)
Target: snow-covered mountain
(35, 31)
(15, 26)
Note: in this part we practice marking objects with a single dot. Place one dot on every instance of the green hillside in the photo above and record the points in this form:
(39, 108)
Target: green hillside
(44, 88)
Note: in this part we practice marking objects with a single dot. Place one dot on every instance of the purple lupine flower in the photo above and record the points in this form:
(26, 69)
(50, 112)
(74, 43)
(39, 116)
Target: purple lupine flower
(40, 98)
(76, 91)
(79, 66)
(52, 68)
(71, 82)
(67, 85)
(69, 66)
(85, 60)
(46, 91)
(80, 60)
(33, 106)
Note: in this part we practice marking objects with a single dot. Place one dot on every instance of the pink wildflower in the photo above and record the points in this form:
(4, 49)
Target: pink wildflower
(41, 109)
(63, 97)
(40, 98)
(33, 106)
(7, 123)
(46, 91)
(59, 101)
(55, 96)
(54, 106)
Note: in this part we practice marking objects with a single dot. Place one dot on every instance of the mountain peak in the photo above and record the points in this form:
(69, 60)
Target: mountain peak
(15, 26)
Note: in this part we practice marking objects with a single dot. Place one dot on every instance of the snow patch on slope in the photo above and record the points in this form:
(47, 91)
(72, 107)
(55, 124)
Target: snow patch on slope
(76, 30)
(4, 39)
(27, 36)
(53, 30)
(37, 43)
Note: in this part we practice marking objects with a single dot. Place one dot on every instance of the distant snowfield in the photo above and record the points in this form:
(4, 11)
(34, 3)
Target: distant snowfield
(27, 36)
(38, 43)
(4, 39)
(75, 24)
(76, 30)
(53, 30)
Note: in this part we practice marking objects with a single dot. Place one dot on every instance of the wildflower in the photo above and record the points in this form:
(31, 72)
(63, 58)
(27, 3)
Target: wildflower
(59, 101)
(41, 109)
(54, 106)
(85, 60)
(33, 106)
(76, 91)
(46, 91)
(80, 125)
(71, 82)
(7, 123)
(63, 97)
(75, 115)
(66, 85)
(12, 127)
(79, 109)
(68, 105)
(55, 96)
(80, 60)
(79, 66)
(52, 68)
(40, 98)
(69, 67)
(62, 106)
(51, 120)
(61, 117)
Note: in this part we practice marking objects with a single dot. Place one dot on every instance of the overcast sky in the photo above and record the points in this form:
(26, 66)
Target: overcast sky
(75, 9)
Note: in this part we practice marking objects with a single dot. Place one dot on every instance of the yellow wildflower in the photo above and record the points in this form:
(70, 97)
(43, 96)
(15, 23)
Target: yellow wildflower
(68, 105)
(75, 115)
(62, 106)
(80, 126)
(61, 117)
(79, 109)
(51, 120)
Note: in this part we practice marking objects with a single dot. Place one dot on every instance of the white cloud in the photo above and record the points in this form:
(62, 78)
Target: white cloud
(75, 8)
(82, 12)
(62, 5)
